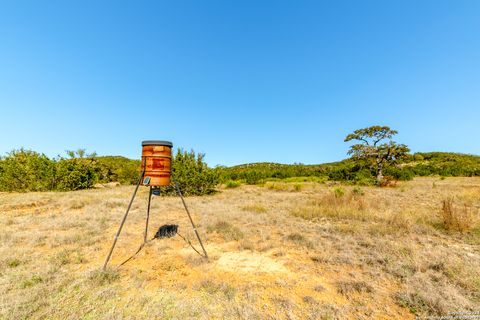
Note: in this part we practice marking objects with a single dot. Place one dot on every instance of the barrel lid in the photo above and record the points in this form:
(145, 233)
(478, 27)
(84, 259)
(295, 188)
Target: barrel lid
(157, 143)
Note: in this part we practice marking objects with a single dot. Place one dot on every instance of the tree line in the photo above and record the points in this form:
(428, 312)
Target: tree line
(26, 170)
(375, 157)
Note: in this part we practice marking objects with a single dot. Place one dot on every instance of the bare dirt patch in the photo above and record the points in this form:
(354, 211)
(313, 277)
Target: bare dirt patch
(247, 261)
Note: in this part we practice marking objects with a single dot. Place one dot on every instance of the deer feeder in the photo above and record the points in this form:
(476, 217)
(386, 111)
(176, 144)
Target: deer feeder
(156, 172)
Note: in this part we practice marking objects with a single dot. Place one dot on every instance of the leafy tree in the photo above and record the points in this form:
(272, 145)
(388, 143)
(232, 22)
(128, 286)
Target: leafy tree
(376, 146)
(80, 153)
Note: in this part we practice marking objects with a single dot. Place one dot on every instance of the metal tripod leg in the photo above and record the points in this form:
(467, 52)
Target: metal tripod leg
(123, 220)
(179, 192)
(148, 216)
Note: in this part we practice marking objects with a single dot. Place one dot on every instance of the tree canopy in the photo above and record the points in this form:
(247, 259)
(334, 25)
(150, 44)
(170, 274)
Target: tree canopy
(376, 146)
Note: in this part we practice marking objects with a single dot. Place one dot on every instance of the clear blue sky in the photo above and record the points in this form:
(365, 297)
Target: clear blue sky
(242, 81)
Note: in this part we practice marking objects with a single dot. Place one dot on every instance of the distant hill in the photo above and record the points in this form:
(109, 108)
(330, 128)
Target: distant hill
(418, 164)
(443, 163)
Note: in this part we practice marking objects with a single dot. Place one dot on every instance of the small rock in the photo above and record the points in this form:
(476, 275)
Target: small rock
(112, 184)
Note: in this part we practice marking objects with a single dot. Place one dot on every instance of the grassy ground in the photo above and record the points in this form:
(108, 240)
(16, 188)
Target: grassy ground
(302, 250)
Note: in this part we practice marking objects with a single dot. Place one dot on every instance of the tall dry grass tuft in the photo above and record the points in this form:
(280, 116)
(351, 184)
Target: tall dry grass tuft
(258, 208)
(387, 181)
(456, 218)
(284, 186)
(228, 231)
(336, 204)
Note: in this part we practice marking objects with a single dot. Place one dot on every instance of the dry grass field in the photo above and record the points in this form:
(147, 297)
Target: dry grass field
(277, 251)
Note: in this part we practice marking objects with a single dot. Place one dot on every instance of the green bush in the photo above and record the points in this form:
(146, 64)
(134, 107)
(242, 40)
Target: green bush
(357, 191)
(402, 174)
(192, 174)
(128, 173)
(26, 170)
(338, 192)
(232, 184)
(364, 177)
(118, 169)
(76, 173)
(254, 177)
(418, 157)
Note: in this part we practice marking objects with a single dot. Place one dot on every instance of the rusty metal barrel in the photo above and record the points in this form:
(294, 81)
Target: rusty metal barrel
(157, 160)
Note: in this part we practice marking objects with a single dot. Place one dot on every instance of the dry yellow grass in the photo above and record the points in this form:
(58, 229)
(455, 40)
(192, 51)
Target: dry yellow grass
(285, 252)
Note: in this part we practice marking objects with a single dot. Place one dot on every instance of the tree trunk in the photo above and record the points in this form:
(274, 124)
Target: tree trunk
(379, 173)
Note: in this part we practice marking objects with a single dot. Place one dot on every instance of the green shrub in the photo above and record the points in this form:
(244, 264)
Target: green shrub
(254, 177)
(418, 157)
(232, 184)
(118, 169)
(364, 177)
(26, 170)
(338, 192)
(357, 191)
(76, 173)
(192, 174)
(318, 179)
(128, 173)
(402, 174)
